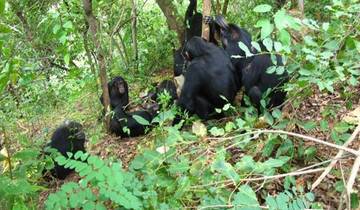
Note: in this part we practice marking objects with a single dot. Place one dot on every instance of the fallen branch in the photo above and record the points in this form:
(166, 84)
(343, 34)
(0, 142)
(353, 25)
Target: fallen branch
(352, 151)
(352, 177)
(230, 182)
(336, 158)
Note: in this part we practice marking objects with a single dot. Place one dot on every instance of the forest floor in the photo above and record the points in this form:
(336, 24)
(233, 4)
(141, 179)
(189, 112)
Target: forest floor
(110, 146)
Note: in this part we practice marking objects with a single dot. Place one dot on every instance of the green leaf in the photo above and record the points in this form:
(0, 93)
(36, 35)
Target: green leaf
(281, 19)
(256, 46)
(244, 48)
(310, 196)
(268, 44)
(284, 37)
(246, 199)
(266, 27)
(271, 69)
(61, 160)
(262, 8)
(67, 59)
(278, 46)
(341, 127)
(217, 131)
(140, 120)
(354, 200)
(68, 24)
(2, 6)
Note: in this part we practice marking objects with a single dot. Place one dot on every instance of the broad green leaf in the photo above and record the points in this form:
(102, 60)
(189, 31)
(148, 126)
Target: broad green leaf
(256, 46)
(67, 59)
(217, 131)
(271, 70)
(244, 48)
(266, 27)
(280, 19)
(262, 8)
(284, 37)
(268, 43)
(278, 46)
(341, 127)
(68, 24)
(140, 120)
(246, 199)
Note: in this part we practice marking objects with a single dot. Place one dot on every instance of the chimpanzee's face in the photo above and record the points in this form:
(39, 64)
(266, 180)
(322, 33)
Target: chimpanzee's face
(120, 86)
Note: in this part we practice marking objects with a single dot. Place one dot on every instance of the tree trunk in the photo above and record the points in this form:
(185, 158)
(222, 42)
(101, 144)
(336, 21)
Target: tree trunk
(225, 7)
(133, 33)
(93, 27)
(206, 12)
(301, 6)
(172, 18)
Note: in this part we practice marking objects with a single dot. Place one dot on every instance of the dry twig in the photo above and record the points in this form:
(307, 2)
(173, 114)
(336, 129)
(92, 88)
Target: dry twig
(336, 158)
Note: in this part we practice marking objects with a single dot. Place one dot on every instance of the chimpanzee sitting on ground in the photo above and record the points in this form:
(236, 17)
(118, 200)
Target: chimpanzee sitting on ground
(168, 86)
(124, 124)
(118, 92)
(193, 24)
(252, 71)
(209, 77)
(69, 137)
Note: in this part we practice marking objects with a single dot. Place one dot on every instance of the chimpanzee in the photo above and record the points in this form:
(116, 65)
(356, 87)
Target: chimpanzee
(193, 24)
(209, 77)
(118, 92)
(166, 85)
(69, 137)
(124, 124)
(252, 71)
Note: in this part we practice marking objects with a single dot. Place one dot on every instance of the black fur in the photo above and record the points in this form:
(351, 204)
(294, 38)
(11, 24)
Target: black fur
(121, 120)
(209, 75)
(69, 137)
(166, 85)
(251, 71)
(118, 92)
(193, 27)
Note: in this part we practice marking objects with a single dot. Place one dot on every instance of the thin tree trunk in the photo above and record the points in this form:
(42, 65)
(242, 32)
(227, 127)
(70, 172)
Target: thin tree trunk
(225, 7)
(93, 27)
(172, 18)
(120, 51)
(301, 6)
(206, 12)
(133, 33)
(124, 48)
(218, 7)
(88, 53)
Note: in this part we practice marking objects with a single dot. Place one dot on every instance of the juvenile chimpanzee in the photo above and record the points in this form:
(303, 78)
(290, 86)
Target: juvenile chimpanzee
(69, 137)
(124, 124)
(209, 77)
(252, 71)
(118, 92)
(168, 86)
(193, 24)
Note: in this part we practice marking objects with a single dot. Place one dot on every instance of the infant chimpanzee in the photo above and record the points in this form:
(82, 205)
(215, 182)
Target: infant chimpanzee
(69, 137)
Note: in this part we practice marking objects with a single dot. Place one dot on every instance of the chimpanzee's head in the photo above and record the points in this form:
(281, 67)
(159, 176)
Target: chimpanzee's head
(75, 130)
(118, 84)
(196, 47)
(231, 34)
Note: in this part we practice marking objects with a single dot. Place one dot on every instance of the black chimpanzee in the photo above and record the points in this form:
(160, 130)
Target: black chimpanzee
(118, 92)
(124, 124)
(69, 137)
(209, 77)
(168, 86)
(251, 71)
(193, 25)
